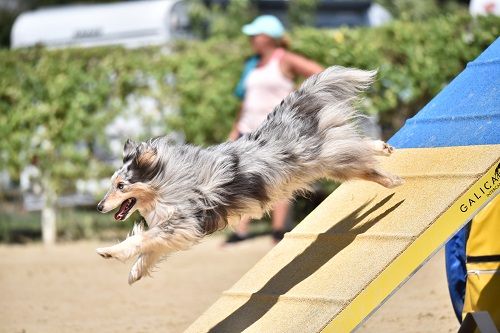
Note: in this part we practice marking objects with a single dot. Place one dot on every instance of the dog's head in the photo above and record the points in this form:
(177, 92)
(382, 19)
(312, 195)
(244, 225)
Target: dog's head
(131, 187)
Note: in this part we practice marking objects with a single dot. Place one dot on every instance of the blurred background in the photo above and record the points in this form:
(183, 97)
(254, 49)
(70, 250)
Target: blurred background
(77, 78)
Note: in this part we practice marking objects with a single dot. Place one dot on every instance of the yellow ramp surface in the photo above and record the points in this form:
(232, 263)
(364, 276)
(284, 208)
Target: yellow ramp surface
(348, 256)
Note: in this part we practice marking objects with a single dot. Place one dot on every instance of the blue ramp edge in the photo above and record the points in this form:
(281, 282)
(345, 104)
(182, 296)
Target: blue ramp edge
(466, 112)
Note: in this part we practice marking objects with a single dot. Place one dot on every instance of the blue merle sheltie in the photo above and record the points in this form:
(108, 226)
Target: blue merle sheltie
(185, 192)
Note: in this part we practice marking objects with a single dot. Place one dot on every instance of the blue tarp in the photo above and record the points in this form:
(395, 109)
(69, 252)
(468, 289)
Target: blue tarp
(466, 112)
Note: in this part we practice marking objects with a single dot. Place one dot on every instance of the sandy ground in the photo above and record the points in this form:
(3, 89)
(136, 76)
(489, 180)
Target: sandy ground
(68, 288)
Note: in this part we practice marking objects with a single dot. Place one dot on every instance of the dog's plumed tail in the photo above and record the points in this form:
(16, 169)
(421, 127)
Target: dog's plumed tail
(325, 105)
(330, 95)
(322, 105)
(334, 87)
(313, 134)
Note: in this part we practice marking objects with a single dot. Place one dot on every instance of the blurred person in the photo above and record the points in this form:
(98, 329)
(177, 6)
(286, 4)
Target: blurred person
(267, 78)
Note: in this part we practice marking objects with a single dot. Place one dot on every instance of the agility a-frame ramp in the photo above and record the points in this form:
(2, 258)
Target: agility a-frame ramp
(364, 241)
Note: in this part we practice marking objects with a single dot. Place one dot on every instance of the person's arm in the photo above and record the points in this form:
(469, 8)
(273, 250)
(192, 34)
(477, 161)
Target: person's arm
(298, 65)
(234, 134)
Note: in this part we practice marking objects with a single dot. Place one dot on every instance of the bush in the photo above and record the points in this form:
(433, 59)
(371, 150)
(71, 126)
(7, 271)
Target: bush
(52, 100)
(415, 61)
(55, 104)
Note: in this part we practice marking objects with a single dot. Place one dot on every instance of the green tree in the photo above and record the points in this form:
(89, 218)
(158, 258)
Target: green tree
(417, 10)
(415, 61)
(55, 105)
(215, 20)
(301, 12)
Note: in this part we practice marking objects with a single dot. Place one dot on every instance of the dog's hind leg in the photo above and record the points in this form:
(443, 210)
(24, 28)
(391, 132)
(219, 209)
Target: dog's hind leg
(381, 148)
(383, 178)
(377, 175)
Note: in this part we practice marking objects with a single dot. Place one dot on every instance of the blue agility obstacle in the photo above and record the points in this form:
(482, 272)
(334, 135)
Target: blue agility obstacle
(465, 113)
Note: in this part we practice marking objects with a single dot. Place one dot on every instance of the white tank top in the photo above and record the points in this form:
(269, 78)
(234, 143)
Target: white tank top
(265, 87)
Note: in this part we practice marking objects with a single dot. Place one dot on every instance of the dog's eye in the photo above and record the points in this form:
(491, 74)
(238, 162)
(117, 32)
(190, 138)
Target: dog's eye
(120, 186)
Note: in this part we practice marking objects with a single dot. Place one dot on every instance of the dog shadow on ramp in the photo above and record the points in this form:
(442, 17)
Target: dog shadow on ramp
(319, 252)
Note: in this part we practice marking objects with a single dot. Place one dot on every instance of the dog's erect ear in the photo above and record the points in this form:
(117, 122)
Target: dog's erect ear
(129, 147)
(146, 157)
(163, 140)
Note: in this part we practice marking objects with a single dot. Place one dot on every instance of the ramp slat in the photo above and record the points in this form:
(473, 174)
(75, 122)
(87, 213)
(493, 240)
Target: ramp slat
(358, 246)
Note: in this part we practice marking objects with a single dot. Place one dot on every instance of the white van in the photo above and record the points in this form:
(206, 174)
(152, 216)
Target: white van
(131, 24)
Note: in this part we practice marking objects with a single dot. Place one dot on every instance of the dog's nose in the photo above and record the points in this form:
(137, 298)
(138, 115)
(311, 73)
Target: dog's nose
(100, 207)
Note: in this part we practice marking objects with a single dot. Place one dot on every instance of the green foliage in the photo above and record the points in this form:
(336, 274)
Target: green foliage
(411, 9)
(218, 21)
(416, 10)
(206, 75)
(55, 105)
(415, 61)
(301, 12)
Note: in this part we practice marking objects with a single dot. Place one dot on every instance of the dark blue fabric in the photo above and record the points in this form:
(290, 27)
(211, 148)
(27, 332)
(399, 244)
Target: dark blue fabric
(250, 64)
(466, 112)
(456, 271)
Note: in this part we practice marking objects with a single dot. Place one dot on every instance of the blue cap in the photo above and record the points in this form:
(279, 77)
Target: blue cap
(265, 24)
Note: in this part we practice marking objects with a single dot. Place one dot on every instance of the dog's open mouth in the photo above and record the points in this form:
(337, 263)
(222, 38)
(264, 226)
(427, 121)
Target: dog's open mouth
(124, 209)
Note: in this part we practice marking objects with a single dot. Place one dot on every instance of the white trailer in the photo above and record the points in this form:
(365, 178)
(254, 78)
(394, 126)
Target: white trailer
(131, 24)
(484, 7)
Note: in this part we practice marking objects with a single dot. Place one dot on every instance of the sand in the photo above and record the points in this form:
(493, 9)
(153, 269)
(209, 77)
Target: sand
(69, 288)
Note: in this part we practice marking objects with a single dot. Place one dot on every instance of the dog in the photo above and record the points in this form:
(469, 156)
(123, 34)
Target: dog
(185, 192)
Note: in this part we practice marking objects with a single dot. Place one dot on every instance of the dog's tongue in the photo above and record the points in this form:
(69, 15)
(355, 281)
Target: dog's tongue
(122, 212)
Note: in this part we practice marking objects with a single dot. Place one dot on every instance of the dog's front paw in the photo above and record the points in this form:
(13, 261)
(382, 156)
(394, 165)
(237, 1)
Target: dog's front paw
(116, 252)
(104, 252)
